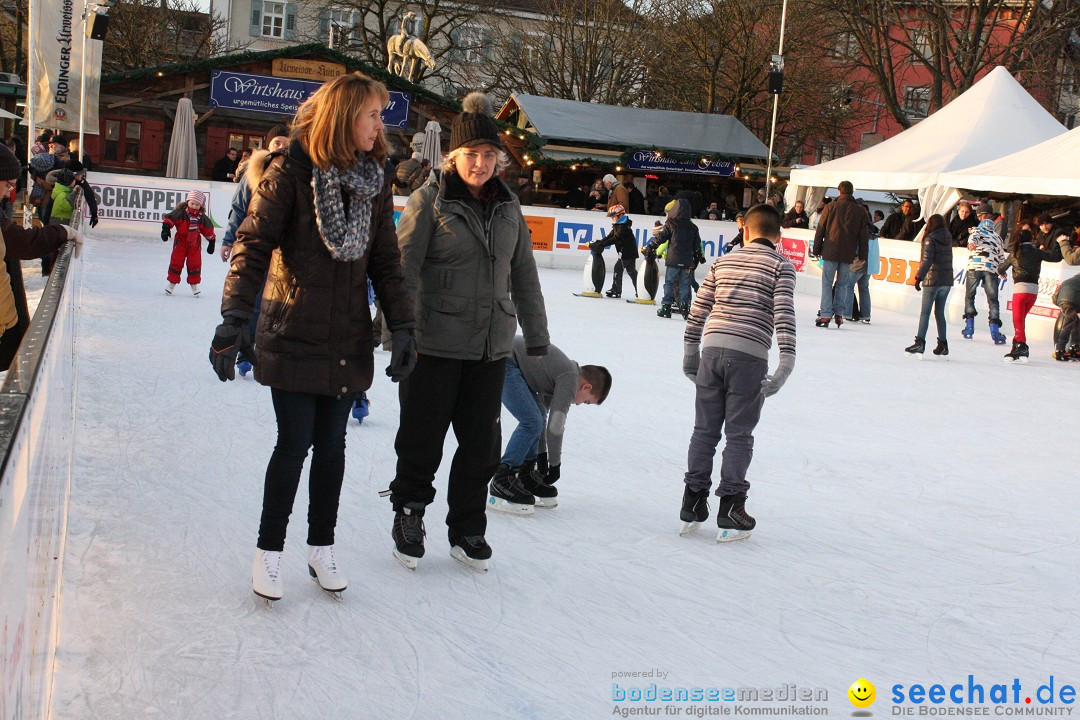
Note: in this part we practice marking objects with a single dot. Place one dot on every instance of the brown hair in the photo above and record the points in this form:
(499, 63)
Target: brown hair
(324, 122)
(934, 222)
(600, 379)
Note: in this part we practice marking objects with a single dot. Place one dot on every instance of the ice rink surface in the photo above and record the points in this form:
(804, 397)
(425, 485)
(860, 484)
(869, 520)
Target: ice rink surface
(917, 523)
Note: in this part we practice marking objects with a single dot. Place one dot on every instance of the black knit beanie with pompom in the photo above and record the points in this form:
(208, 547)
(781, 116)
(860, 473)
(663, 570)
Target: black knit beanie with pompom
(475, 125)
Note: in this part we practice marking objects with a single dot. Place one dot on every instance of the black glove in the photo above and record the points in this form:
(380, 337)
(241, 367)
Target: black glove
(597, 246)
(210, 247)
(230, 338)
(93, 220)
(164, 232)
(553, 474)
(918, 285)
(541, 464)
(402, 354)
(536, 351)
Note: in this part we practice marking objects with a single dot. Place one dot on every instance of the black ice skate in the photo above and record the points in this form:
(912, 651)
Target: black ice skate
(821, 322)
(1018, 354)
(664, 311)
(695, 509)
(547, 496)
(472, 550)
(732, 519)
(916, 349)
(508, 495)
(942, 348)
(408, 534)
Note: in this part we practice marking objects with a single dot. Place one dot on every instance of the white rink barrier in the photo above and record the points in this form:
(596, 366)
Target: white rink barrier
(134, 205)
(37, 403)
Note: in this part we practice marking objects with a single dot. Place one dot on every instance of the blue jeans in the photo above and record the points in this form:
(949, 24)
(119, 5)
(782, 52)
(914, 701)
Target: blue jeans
(524, 443)
(990, 284)
(933, 297)
(684, 275)
(833, 303)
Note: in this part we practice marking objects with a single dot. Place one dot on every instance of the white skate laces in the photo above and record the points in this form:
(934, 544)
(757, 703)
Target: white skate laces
(322, 565)
(266, 574)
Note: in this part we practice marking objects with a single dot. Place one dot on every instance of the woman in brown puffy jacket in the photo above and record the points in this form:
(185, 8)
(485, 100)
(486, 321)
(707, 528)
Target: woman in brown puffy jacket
(319, 224)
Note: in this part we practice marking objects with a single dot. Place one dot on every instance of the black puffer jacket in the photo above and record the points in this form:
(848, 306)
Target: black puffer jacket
(622, 237)
(1069, 292)
(936, 267)
(314, 333)
(1026, 262)
(681, 235)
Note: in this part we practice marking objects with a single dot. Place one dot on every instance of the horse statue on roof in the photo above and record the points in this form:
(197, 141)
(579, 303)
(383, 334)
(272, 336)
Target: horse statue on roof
(405, 50)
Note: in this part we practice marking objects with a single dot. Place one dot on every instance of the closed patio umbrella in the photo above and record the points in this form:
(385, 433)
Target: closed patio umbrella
(183, 160)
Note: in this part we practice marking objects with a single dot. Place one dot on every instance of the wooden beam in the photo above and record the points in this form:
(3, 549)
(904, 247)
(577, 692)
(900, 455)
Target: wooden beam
(133, 101)
(204, 117)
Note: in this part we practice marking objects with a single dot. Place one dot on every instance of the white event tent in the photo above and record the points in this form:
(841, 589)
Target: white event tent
(1049, 168)
(994, 117)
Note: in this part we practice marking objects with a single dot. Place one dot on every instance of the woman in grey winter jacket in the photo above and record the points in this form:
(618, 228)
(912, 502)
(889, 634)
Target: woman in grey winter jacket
(935, 274)
(467, 256)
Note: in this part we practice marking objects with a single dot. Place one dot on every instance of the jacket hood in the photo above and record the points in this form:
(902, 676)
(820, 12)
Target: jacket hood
(681, 211)
(256, 168)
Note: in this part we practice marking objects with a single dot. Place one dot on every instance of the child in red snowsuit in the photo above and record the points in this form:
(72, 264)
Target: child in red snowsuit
(190, 222)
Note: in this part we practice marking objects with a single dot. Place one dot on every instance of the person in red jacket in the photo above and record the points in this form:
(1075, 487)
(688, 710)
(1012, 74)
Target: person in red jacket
(190, 222)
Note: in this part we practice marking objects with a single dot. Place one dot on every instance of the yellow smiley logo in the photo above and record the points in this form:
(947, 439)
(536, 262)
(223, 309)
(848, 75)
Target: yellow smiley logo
(862, 693)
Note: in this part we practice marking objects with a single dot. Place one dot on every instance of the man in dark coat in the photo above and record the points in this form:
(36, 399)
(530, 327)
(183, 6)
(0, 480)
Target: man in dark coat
(902, 225)
(842, 236)
(225, 168)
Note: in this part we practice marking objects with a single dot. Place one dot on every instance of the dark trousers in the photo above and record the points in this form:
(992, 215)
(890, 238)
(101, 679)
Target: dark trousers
(305, 421)
(441, 392)
(616, 279)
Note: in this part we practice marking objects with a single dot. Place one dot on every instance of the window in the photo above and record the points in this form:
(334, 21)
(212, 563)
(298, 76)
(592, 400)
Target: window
(921, 49)
(917, 100)
(240, 141)
(830, 151)
(471, 44)
(847, 46)
(273, 19)
(345, 20)
(122, 142)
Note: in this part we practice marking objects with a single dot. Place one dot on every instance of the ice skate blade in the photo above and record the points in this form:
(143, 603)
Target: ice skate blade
(408, 561)
(1016, 361)
(508, 507)
(547, 503)
(731, 535)
(266, 600)
(315, 577)
(477, 565)
(914, 356)
(689, 528)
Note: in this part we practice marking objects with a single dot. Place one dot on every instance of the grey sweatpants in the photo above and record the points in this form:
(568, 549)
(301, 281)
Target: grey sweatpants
(729, 399)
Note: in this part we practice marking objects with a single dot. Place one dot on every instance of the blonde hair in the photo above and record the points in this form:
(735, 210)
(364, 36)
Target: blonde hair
(451, 158)
(324, 122)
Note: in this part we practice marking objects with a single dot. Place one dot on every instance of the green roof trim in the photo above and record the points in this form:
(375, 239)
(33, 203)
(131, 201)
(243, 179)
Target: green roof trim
(309, 50)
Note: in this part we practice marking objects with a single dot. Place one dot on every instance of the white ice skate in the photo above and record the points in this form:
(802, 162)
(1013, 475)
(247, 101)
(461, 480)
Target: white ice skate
(266, 576)
(324, 569)
(689, 528)
(195, 290)
(169, 288)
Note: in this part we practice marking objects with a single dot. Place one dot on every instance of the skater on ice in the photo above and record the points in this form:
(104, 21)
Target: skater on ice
(841, 237)
(467, 255)
(622, 237)
(538, 392)
(683, 243)
(191, 224)
(745, 298)
(987, 253)
(1026, 261)
(312, 351)
(934, 279)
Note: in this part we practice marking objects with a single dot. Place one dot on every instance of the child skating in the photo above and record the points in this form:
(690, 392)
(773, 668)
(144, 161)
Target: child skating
(538, 391)
(191, 223)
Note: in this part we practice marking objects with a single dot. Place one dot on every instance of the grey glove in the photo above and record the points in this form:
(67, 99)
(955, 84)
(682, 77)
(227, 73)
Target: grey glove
(772, 383)
(691, 360)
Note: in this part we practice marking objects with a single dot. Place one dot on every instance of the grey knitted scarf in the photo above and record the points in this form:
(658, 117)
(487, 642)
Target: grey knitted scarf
(346, 238)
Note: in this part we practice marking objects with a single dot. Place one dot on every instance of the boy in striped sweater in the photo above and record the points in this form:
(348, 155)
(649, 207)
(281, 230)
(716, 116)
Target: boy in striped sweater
(747, 296)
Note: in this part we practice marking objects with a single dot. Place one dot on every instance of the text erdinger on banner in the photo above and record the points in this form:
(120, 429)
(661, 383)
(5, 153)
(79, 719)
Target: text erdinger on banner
(56, 51)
